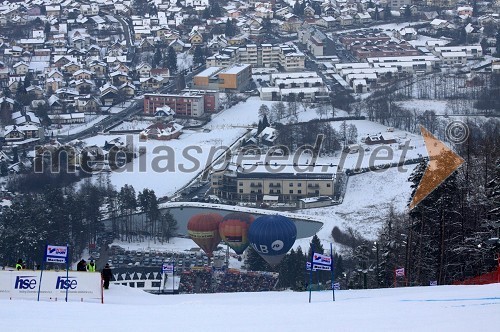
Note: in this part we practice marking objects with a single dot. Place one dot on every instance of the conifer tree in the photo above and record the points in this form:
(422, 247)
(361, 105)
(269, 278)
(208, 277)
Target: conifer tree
(171, 59)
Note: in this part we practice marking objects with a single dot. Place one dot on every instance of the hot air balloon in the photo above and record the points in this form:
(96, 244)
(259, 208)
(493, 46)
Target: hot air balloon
(203, 228)
(234, 230)
(272, 236)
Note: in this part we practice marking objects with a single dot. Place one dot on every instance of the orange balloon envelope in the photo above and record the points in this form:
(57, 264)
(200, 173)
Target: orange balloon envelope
(203, 228)
(234, 230)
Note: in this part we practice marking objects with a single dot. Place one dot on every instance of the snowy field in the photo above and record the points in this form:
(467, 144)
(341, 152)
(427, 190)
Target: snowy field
(90, 121)
(160, 167)
(225, 128)
(421, 105)
(439, 308)
(133, 125)
(368, 199)
(247, 113)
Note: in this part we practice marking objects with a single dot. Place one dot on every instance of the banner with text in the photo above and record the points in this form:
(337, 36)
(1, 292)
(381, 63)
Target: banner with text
(321, 262)
(24, 285)
(56, 254)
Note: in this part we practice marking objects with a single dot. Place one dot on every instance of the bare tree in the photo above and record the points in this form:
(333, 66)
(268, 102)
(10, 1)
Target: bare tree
(322, 110)
(263, 111)
(279, 110)
(352, 134)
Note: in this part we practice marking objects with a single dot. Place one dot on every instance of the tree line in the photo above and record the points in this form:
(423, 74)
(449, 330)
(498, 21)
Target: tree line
(450, 236)
(62, 215)
(292, 269)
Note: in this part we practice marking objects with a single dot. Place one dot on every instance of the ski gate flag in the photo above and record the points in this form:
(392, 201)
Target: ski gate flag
(320, 262)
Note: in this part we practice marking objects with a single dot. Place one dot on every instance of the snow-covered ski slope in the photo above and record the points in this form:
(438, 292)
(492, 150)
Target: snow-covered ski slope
(439, 308)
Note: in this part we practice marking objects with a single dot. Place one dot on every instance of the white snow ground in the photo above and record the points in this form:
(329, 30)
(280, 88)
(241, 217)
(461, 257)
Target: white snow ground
(367, 201)
(439, 308)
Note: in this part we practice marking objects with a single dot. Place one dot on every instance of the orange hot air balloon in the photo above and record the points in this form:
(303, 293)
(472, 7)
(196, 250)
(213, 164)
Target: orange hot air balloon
(203, 228)
(234, 230)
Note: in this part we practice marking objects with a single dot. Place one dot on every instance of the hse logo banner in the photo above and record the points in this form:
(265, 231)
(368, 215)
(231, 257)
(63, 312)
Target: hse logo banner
(25, 282)
(66, 283)
(53, 285)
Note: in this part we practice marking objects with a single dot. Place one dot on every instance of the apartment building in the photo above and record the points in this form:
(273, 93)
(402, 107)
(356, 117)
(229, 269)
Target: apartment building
(471, 52)
(185, 104)
(397, 4)
(210, 99)
(383, 49)
(351, 39)
(316, 41)
(264, 55)
(297, 86)
(291, 59)
(407, 64)
(434, 60)
(290, 184)
(454, 58)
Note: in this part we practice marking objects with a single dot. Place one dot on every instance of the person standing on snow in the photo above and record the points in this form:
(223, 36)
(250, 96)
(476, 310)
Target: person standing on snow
(91, 266)
(19, 264)
(81, 265)
(106, 275)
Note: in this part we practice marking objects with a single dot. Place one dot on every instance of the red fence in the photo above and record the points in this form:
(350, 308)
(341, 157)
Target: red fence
(487, 278)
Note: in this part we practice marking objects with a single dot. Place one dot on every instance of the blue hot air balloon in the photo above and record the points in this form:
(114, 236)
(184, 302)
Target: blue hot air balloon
(272, 236)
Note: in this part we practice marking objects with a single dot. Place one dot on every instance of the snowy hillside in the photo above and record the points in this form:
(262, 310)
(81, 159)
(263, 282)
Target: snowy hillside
(440, 308)
(366, 203)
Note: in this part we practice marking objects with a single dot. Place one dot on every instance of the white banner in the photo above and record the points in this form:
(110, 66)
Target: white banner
(167, 268)
(55, 260)
(321, 267)
(24, 285)
(318, 267)
(322, 259)
(56, 254)
(57, 251)
(400, 272)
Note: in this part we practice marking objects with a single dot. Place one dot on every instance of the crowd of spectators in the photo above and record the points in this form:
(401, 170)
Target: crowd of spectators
(207, 281)
(196, 281)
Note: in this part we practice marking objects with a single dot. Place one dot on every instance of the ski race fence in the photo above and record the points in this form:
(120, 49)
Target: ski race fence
(483, 279)
(69, 286)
